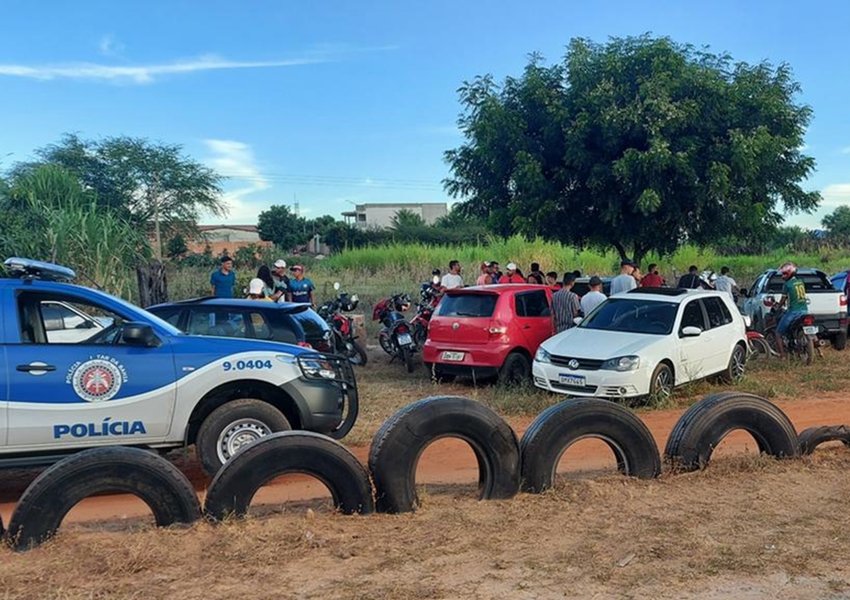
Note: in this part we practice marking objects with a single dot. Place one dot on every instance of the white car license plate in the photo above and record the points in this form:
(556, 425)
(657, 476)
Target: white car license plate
(810, 330)
(453, 356)
(404, 339)
(574, 380)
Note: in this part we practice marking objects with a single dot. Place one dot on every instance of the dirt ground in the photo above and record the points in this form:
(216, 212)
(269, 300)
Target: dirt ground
(747, 527)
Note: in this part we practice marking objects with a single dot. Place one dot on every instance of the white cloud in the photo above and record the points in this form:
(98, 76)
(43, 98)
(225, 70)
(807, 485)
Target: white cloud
(109, 46)
(836, 194)
(236, 160)
(845, 150)
(143, 73)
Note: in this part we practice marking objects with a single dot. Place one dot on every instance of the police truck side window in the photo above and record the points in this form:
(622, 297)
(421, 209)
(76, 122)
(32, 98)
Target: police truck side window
(46, 320)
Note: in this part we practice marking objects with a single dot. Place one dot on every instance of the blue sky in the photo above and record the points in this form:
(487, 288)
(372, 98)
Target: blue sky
(353, 102)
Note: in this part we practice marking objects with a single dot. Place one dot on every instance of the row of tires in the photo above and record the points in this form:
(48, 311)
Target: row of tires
(506, 464)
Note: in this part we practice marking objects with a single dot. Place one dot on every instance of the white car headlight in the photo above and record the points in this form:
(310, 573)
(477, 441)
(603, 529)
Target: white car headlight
(621, 363)
(543, 355)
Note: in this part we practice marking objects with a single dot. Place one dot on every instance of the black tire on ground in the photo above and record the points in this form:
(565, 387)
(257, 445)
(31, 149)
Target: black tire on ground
(662, 383)
(737, 365)
(558, 427)
(811, 438)
(359, 357)
(232, 490)
(400, 441)
(58, 489)
(516, 369)
(233, 425)
(808, 345)
(406, 358)
(704, 425)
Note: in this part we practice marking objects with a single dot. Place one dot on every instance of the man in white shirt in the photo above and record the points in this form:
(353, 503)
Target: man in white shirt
(725, 283)
(624, 281)
(452, 279)
(594, 297)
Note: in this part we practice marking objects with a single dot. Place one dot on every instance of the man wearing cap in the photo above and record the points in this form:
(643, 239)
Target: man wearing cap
(624, 281)
(224, 279)
(257, 290)
(511, 276)
(594, 297)
(300, 288)
(281, 281)
(485, 278)
(452, 279)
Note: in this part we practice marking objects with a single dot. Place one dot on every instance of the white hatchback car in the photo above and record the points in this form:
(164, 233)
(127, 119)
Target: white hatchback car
(644, 343)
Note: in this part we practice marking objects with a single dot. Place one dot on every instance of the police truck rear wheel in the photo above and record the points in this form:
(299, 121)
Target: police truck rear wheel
(233, 426)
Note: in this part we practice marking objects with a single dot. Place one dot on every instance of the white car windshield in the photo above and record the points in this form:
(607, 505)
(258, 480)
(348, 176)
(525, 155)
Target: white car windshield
(633, 316)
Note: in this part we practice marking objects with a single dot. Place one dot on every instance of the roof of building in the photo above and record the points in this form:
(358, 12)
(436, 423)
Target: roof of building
(251, 228)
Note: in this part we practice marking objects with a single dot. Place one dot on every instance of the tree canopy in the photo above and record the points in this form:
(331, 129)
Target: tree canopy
(279, 225)
(139, 179)
(838, 224)
(640, 143)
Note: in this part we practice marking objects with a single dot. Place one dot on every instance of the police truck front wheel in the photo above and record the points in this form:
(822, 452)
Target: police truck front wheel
(231, 427)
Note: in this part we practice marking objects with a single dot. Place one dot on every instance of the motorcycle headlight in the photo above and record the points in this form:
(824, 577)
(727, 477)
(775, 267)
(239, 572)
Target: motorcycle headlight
(316, 367)
(621, 363)
(543, 356)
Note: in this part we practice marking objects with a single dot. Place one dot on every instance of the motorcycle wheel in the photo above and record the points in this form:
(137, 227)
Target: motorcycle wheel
(357, 355)
(420, 334)
(759, 347)
(806, 347)
(406, 358)
(386, 344)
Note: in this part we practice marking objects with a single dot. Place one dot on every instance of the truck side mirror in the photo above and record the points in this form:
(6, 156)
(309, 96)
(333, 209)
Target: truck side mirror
(139, 334)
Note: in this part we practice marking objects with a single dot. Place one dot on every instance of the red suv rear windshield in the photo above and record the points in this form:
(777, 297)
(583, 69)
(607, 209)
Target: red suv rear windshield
(468, 305)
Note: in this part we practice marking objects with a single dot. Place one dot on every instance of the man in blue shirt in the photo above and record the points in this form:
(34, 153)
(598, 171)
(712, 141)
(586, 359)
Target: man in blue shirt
(300, 288)
(223, 280)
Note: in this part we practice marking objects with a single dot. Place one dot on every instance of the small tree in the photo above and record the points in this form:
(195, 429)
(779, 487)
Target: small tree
(176, 247)
(838, 224)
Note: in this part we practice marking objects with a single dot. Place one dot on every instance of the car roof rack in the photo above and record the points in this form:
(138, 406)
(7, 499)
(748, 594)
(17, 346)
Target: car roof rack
(27, 268)
(660, 291)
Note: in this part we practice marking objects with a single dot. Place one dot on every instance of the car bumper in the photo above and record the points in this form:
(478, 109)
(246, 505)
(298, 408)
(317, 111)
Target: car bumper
(598, 383)
(831, 324)
(483, 360)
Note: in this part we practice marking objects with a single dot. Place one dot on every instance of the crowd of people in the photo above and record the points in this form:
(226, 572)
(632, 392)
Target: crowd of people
(567, 305)
(271, 284)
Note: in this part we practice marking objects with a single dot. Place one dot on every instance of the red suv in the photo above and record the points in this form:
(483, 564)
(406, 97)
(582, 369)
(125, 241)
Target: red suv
(491, 330)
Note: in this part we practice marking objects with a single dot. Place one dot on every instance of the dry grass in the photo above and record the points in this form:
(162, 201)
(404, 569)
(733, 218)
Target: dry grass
(747, 528)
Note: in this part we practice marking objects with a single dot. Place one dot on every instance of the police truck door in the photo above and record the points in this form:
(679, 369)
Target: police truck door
(73, 382)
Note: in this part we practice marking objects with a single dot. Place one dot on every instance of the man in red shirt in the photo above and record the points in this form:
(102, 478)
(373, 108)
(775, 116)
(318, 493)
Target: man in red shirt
(512, 276)
(652, 278)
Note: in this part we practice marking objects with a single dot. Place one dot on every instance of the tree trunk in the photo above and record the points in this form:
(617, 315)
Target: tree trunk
(153, 287)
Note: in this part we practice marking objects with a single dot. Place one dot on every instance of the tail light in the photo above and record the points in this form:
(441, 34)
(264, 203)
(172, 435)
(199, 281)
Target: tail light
(842, 300)
(497, 328)
(403, 329)
(305, 345)
(808, 320)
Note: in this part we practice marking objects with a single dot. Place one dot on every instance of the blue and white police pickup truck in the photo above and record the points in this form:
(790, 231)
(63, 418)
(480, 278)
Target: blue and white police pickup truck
(83, 369)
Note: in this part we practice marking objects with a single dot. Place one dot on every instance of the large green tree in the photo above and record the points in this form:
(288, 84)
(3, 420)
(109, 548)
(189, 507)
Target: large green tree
(838, 224)
(150, 184)
(640, 144)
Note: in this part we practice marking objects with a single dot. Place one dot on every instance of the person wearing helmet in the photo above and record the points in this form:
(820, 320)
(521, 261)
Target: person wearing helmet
(794, 293)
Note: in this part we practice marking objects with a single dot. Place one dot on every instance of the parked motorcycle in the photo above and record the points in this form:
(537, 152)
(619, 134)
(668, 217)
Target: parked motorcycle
(799, 340)
(395, 336)
(430, 295)
(344, 339)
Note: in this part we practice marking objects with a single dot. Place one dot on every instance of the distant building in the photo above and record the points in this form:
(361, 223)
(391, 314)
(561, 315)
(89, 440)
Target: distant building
(381, 215)
(225, 237)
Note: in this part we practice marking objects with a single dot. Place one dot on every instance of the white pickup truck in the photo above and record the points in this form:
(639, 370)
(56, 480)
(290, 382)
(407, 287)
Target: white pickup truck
(828, 305)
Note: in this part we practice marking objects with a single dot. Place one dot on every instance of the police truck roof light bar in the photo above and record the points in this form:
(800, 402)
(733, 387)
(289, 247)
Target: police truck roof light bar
(36, 269)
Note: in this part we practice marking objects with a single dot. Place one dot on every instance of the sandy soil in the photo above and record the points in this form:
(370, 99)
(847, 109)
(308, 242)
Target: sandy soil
(747, 527)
